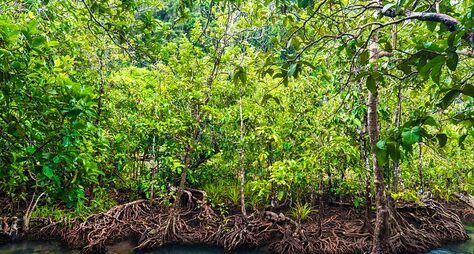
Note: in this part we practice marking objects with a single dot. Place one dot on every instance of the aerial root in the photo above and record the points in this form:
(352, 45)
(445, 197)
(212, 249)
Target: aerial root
(424, 227)
(414, 229)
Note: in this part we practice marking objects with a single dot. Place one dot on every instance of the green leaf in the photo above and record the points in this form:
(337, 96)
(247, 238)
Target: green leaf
(48, 172)
(292, 70)
(393, 151)
(31, 149)
(451, 39)
(436, 72)
(387, 7)
(468, 90)
(56, 159)
(280, 195)
(381, 144)
(452, 60)
(381, 152)
(427, 68)
(308, 64)
(461, 140)
(357, 122)
(38, 41)
(411, 136)
(364, 57)
(430, 121)
(449, 98)
(66, 141)
(370, 83)
(240, 75)
(304, 3)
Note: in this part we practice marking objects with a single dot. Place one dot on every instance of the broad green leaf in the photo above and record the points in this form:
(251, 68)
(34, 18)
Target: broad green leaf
(430, 121)
(468, 90)
(38, 41)
(452, 60)
(371, 84)
(393, 150)
(449, 98)
(411, 136)
(292, 70)
(436, 72)
(427, 68)
(381, 152)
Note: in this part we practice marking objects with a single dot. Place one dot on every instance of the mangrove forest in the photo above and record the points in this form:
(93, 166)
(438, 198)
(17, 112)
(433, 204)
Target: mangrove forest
(237, 126)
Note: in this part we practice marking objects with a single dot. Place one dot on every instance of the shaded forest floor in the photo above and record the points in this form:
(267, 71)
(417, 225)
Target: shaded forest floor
(334, 228)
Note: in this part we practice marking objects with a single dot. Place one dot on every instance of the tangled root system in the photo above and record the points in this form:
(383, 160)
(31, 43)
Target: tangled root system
(414, 229)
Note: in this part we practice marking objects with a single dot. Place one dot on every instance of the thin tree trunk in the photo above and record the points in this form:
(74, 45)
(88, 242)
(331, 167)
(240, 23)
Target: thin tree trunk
(420, 169)
(365, 157)
(381, 243)
(242, 161)
(220, 48)
(153, 172)
(182, 182)
(396, 168)
(97, 123)
(398, 115)
(321, 203)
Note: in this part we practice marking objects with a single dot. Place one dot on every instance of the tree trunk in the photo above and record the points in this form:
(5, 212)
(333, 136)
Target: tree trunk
(153, 172)
(365, 157)
(381, 243)
(396, 168)
(242, 161)
(420, 169)
(320, 203)
(182, 182)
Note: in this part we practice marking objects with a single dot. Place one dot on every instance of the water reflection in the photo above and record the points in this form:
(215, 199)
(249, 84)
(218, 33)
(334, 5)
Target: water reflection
(466, 247)
(53, 247)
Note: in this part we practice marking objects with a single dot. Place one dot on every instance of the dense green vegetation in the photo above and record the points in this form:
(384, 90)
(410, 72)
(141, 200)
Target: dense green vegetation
(261, 103)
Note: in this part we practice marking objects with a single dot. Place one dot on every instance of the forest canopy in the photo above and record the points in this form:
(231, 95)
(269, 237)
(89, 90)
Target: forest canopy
(259, 104)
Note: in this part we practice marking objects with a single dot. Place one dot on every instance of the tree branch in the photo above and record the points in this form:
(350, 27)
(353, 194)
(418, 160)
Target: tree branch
(451, 23)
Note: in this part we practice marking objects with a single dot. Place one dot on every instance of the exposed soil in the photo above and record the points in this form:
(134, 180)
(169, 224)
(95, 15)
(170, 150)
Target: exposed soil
(338, 229)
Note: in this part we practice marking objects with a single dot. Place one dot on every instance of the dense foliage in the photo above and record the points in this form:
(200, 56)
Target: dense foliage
(100, 97)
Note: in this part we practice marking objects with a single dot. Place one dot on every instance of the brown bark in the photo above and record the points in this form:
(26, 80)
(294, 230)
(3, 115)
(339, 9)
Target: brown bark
(153, 172)
(420, 168)
(242, 161)
(365, 157)
(381, 243)
(451, 23)
(184, 173)
(396, 169)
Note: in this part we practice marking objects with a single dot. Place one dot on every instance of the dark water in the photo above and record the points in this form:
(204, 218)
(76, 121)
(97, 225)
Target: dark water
(43, 247)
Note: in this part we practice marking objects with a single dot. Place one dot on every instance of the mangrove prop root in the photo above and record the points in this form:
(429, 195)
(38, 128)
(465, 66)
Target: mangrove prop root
(414, 228)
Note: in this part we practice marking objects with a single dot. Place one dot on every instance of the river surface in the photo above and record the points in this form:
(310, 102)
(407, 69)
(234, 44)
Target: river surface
(44, 247)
